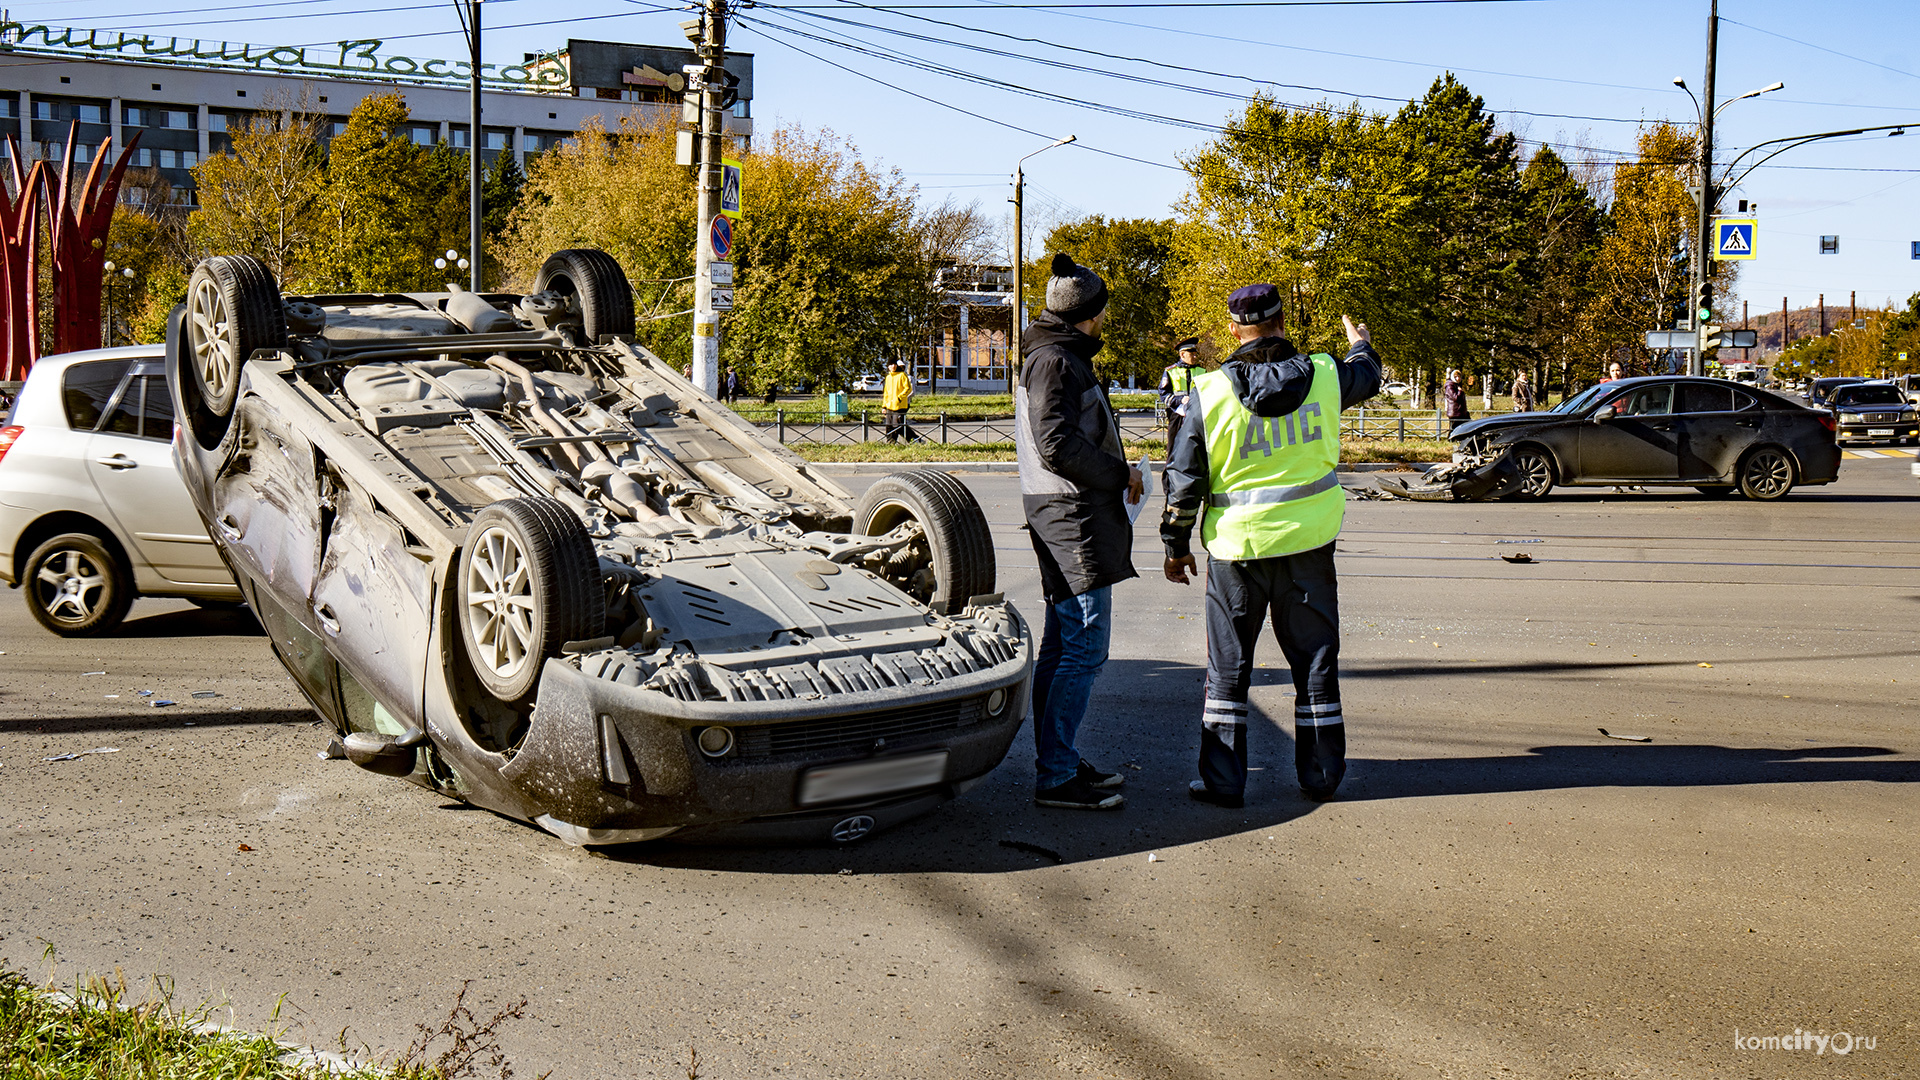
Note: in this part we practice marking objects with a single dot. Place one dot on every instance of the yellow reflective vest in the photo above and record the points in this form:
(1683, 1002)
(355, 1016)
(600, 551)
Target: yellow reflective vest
(1273, 480)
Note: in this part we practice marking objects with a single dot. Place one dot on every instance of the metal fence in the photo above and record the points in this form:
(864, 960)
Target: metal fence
(866, 425)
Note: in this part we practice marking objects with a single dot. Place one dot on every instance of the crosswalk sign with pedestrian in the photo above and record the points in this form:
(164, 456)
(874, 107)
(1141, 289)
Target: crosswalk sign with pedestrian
(1735, 238)
(730, 188)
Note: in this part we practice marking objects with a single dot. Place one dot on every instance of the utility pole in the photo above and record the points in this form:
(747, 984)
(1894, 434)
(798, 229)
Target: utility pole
(1786, 327)
(1703, 250)
(1019, 301)
(1823, 314)
(474, 141)
(712, 50)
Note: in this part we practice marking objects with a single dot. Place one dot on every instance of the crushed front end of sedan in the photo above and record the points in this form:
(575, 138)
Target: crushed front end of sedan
(521, 561)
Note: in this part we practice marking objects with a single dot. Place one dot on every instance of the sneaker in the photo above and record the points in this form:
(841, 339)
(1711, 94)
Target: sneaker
(1077, 794)
(1095, 778)
(1200, 792)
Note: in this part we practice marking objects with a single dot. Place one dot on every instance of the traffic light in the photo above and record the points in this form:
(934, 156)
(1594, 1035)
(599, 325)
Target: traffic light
(1703, 301)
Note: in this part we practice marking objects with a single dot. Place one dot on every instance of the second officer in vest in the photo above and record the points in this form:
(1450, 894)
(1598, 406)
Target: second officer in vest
(1256, 460)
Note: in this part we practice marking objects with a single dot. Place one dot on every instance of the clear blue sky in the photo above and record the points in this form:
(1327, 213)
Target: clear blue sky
(1601, 65)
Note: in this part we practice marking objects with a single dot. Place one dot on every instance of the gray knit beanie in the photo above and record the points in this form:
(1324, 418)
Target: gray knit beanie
(1074, 293)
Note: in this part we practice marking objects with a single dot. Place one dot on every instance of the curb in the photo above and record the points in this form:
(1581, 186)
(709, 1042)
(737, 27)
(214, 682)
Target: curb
(881, 468)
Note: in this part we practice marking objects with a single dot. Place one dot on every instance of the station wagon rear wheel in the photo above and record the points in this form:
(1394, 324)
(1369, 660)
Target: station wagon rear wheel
(233, 308)
(76, 586)
(1766, 474)
(952, 561)
(529, 582)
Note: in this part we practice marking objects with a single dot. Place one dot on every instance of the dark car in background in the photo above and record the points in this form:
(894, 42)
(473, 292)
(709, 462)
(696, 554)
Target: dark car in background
(1666, 429)
(1820, 390)
(1873, 412)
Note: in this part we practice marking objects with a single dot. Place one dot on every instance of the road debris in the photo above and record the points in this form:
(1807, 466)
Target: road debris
(1703, 663)
(161, 703)
(1033, 849)
(144, 693)
(84, 753)
(93, 673)
(244, 847)
(1153, 857)
(1626, 738)
(1518, 557)
(206, 693)
(335, 751)
(1533, 541)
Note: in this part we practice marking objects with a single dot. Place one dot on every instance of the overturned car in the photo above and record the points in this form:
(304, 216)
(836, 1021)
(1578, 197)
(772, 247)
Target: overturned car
(521, 561)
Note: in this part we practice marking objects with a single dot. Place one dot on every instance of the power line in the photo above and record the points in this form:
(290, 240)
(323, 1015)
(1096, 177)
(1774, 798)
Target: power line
(241, 7)
(813, 14)
(1822, 48)
(1176, 4)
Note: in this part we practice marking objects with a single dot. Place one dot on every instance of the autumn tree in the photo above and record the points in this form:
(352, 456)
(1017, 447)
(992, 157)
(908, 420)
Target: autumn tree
(1640, 275)
(1131, 255)
(259, 198)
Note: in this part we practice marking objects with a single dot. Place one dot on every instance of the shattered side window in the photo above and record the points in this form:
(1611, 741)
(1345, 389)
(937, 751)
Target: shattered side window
(300, 650)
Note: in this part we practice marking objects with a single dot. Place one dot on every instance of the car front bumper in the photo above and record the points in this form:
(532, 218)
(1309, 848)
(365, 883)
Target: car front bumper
(605, 762)
(1852, 430)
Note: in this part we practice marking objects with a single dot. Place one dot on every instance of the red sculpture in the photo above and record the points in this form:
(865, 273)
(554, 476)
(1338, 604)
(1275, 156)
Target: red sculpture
(20, 267)
(77, 236)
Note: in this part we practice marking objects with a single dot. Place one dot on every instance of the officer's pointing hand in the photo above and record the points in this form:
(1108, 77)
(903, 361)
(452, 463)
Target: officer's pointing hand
(1356, 332)
(1178, 569)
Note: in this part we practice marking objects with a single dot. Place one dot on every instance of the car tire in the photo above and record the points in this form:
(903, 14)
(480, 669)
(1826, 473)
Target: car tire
(528, 583)
(957, 562)
(1536, 473)
(77, 586)
(598, 284)
(233, 308)
(1766, 473)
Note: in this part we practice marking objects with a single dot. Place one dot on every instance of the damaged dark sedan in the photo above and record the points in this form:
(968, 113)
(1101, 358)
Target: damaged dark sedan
(521, 561)
(1707, 434)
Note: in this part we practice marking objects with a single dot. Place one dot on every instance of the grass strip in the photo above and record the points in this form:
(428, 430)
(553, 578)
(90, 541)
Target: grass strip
(1412, 451)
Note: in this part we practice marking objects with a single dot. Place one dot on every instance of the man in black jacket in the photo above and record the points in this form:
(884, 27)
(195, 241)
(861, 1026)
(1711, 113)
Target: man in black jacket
(1073, 478)
(1273, 505)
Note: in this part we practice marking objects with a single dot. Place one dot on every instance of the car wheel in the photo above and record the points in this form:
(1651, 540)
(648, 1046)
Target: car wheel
(529, 582)
(77, 586)
(1767, 473)
(233, 308)
(1536, 473)
(598, 284)
(952, 561)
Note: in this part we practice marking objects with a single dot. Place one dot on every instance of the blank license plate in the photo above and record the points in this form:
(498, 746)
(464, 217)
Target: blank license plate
(860, 779)
(1871, 432)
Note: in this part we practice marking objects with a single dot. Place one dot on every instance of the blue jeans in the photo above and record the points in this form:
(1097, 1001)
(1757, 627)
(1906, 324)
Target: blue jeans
(1073, 649)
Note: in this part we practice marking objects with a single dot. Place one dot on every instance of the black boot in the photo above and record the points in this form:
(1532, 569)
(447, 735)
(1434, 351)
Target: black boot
(1320, 759)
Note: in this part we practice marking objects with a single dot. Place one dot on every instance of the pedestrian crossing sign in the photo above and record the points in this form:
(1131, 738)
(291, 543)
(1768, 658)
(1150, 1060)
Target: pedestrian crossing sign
(730, 188)
(1735, 238)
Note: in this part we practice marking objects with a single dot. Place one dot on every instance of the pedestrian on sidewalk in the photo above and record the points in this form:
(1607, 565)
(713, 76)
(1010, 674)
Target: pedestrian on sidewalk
(1455, 398)
(1522, 393)
(1074, 486)
(894, 400)
(1260, 453)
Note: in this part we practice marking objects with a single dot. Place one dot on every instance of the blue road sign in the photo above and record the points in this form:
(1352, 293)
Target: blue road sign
(720, 235)
(729, 188)
(1734, 238)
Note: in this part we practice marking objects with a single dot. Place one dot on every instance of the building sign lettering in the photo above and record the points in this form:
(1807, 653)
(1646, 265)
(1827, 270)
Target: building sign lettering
(345, 59)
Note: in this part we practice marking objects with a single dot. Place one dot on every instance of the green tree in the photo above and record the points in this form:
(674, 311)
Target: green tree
(1901, 334)
(1564, 227)
(381, 193)
(1131, 255)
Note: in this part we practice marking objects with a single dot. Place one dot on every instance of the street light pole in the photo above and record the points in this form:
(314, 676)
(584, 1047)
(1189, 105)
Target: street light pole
(1019, 256)
(712, 50)
(1703, 220)
(474, 142)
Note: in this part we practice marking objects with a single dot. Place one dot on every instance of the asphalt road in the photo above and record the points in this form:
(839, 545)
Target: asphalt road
(1500, 891)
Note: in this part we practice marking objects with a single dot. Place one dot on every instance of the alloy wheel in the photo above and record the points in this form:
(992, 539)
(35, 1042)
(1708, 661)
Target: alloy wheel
(500, 602)
(208, 332)
(70, 586)
(1768, 475)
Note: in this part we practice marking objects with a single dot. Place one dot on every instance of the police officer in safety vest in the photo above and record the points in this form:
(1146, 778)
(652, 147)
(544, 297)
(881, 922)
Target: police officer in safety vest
(1176, 385)
(1256, 461)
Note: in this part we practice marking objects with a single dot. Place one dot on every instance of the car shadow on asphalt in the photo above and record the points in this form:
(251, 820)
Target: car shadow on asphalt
(190, 622)
(150, 719)
(1144, 722)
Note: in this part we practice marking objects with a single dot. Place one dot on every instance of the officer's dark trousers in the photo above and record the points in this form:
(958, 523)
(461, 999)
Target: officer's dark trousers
(1300, 595)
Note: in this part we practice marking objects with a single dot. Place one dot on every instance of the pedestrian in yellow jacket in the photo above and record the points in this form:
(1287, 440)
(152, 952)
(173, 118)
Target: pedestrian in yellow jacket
(894, 401)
